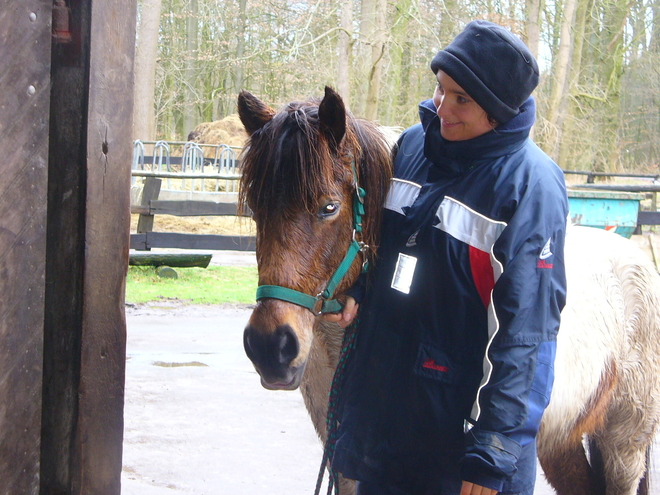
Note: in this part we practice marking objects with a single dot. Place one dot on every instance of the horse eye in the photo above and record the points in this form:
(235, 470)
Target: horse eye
(329, 209)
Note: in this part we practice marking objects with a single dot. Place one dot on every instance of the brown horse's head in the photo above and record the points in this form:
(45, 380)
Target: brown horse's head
(298, 180)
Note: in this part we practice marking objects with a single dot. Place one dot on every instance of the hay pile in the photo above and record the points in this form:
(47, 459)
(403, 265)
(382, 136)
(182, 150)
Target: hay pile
(227, 131)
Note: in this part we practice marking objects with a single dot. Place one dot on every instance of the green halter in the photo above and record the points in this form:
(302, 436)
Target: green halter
(323, 302)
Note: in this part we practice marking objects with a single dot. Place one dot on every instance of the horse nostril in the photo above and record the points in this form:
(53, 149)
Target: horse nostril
(247, 345)
(287, 342)
(271, 353)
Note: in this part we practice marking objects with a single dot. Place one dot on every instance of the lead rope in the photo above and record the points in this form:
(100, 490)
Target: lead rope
(332, 420)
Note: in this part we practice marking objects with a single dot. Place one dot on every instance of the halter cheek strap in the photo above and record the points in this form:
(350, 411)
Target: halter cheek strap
(323, 302)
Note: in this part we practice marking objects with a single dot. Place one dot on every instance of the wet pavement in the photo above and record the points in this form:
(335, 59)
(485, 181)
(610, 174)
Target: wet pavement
(197, 420)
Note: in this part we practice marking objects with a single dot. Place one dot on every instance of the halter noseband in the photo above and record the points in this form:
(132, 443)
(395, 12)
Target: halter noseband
(323, 302)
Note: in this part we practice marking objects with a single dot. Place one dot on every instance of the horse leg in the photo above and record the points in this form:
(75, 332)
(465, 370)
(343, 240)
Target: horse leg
(624, 444)
(644, 484)
(568, 471)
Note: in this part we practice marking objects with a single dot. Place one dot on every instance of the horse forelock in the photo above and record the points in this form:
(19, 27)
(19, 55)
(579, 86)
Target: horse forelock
(289, 163)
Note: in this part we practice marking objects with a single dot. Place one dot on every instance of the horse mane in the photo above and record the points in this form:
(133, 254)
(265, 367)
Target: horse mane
(289, 163)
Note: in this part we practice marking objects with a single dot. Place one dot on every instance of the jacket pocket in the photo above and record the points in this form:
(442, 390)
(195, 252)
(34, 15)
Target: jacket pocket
(434, 363)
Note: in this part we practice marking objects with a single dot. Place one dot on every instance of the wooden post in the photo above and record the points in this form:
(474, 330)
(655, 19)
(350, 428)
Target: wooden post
(150, 192)
(24, 102)
(87, 251)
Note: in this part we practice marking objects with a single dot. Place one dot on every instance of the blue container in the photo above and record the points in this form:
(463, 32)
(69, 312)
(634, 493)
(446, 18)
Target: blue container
(614, 211)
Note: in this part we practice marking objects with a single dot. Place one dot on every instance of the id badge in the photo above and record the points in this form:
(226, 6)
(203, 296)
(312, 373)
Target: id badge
(403, 273)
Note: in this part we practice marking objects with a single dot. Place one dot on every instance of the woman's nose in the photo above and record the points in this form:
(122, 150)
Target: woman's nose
(440, 109)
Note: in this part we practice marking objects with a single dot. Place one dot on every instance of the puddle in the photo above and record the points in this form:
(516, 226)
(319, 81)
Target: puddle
(163, 364)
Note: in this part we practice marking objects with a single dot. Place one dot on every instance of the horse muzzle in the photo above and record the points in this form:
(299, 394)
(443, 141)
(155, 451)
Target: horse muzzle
(272, 355)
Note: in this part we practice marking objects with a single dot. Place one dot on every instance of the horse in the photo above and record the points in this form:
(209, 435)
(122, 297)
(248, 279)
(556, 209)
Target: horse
(301, 169)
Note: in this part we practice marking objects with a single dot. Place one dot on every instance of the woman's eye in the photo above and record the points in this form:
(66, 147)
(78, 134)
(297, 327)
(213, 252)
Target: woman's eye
(329, 209)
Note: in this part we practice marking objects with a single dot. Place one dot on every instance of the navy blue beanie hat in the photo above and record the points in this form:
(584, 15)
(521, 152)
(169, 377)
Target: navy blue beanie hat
(493, 66)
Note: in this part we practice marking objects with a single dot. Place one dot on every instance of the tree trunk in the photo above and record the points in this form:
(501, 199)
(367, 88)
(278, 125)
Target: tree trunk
(397, 89)
(654, 43)
(144, 113)
(572, 113)
(378, 45)
(344, 48)
(561, 68)
(190, 111)
(533, 27)
(240, 46)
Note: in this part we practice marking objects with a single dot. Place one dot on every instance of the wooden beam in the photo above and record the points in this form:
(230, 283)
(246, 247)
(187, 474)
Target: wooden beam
(150, 191)
(24, 102)
(193, 208)
(631, 188)
(192, 241)
(186, 208)
(648, 218)
(100, 428)
(87, 251)
(65, 255)
(185, 175)
(167, 259)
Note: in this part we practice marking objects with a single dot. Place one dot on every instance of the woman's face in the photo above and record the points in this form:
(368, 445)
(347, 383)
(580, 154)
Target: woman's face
(461, 117)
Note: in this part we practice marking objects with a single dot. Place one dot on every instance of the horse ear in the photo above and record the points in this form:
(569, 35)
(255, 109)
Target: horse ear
(253, 112)
(332, 115)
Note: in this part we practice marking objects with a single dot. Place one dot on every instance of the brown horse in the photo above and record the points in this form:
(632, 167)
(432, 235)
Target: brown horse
(299, 179)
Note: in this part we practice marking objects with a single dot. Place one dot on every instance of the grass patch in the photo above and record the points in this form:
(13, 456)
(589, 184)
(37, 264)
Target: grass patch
(212, 285)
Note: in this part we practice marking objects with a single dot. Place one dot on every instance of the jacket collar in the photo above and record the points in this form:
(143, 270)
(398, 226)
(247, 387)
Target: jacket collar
(455, 157)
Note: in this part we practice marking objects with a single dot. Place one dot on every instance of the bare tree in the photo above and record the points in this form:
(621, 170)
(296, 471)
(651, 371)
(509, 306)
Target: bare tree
(344, 49)
(146, 54)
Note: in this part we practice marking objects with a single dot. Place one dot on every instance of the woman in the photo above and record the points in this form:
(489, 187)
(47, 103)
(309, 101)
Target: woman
(453, 364)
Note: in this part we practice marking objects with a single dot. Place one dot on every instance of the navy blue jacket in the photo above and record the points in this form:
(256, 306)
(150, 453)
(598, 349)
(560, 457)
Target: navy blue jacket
(453, 365)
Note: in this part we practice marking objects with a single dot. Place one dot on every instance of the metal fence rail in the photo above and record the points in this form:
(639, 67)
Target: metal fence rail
(217, 163)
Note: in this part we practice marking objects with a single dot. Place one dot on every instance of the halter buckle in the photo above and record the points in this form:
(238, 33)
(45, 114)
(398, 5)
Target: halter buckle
(317, 308)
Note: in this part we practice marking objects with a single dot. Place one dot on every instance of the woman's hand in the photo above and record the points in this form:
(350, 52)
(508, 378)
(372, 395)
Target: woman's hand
(347, 313)
(472, 489)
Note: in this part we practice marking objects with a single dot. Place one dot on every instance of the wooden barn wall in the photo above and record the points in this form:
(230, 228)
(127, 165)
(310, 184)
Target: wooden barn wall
(65, 141)
(24, 100)
(87, 252)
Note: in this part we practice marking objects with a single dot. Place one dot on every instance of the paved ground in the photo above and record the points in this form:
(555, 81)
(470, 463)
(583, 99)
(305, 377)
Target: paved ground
(197, 420)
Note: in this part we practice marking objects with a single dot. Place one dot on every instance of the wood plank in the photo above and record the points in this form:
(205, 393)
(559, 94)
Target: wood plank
(61, 455)
(186, 175)
(24, 100)
(167, 259)
(648, 218)
(140, 210)
(193, 241)
(632, 188)
(150, 192)
(193, 208)
(107, 226)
